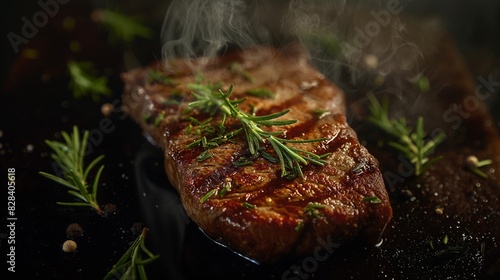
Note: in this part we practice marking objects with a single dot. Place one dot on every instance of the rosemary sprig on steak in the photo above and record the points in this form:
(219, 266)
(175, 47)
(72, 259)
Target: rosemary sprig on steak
(412, 143)
(211, 101)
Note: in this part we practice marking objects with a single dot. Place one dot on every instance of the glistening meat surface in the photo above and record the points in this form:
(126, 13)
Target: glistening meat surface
(261, 214)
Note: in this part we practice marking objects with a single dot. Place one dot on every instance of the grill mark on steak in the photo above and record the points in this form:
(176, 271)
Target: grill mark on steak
(268, 231)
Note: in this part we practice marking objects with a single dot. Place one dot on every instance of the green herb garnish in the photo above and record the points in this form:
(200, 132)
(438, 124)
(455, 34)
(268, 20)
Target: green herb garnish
(85, 82)
(242, 162)
(205, 128)
(411, 143)
(450, 250)
(158, 119)
(248, 205)
(226, 187)
(421, 82)
(69, 156)
(312, 209)
(443, 248)
(300, 226)
(261, 92)
(290, 158)
(148, 119)
(131, 264)
(208, 195)
(326, 42)
(156, 76)
(204, 156)
(372, 199)
(237, 68)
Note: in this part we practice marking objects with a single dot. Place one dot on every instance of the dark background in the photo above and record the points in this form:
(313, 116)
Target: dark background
(35, 104)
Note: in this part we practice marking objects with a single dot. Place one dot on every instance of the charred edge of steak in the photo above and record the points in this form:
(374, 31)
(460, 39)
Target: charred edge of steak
(266, 217)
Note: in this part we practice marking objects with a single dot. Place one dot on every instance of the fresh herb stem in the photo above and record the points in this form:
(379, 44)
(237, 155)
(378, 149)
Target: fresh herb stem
(474, 164)
(411, 143)
(70, 157)
(248, 205)
(290, 158)
(372, 199)
(131, 264)
(84, 81)
(262, 93)
(208, 195)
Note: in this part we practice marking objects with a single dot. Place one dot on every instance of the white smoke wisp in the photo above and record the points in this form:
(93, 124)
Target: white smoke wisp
(201, 28)
(317, 26)
(338, 34)
(342, 34)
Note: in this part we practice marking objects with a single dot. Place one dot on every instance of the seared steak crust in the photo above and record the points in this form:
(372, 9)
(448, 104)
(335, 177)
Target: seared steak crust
(263, 216)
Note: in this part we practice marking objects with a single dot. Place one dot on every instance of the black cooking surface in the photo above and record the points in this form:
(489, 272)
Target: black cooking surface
(36, 105)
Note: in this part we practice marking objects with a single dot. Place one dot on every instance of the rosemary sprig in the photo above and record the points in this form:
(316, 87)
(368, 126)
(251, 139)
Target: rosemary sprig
(131, 264)
(210, 101)
(84, 81)
(411, 142)
(69, 155)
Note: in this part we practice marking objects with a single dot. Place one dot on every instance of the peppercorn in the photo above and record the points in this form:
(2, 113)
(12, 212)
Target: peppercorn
(69, 246)
(74, 230)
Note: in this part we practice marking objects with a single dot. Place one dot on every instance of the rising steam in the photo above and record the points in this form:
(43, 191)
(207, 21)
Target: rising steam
(204, 28)
(337, 33)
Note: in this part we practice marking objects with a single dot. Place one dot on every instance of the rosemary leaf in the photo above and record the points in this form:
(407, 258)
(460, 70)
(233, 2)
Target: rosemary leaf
(58, 180)
(78, 195)
(248, 205)
(95, 185)
(73, 204)
(372, 199)
(208, 195)
(211, 101)
(261, 92)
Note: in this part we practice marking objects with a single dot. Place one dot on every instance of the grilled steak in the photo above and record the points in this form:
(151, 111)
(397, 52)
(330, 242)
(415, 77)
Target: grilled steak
(254, 210)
